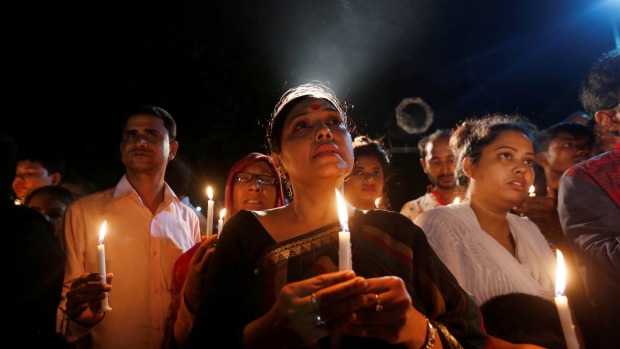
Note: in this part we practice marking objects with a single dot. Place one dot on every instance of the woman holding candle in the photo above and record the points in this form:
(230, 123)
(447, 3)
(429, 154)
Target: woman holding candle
(253, 183)
(276, 271)
(366, 183)
(489, 250)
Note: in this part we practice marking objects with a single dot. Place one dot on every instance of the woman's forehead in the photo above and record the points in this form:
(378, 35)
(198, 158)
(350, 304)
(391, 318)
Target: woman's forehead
(311, 104)
(258, 166)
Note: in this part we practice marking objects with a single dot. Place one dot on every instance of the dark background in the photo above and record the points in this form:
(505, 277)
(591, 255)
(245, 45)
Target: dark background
(219, 69)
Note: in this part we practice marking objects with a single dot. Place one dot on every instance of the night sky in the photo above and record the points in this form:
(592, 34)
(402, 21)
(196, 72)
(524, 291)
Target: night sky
(219, 69)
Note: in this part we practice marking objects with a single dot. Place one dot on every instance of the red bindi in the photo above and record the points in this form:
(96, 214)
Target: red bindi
(314, 106)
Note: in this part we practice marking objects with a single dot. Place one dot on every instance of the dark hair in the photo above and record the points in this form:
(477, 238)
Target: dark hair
(61, 193)
(601, 86)
(50, 157)
(366, 146)
(440, 133)
(474, 134)
(576, 129)
(289, 99)
(523, 318)
(156, 111)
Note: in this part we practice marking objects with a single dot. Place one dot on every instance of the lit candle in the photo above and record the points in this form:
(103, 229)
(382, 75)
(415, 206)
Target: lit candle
(209, 211)
(532, 191)
(344, 236)
(101, 254)
(456, 200)
(220, 222)
(561, 303)
(377, 202)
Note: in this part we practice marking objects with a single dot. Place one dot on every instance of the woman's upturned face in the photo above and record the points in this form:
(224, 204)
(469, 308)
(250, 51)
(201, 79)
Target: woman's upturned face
(365, 183)
(315, 143)
(258, 193)
(505, 170)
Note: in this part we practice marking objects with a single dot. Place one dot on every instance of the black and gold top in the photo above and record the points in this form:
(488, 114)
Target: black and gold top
(249, 268)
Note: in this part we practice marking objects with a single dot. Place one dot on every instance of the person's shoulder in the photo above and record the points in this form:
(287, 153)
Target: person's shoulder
(21, 214)
(22, 223)
(93, 199)
(443, 211)
(243, 217)
(594, 164)
(414, 202)
(387, 220)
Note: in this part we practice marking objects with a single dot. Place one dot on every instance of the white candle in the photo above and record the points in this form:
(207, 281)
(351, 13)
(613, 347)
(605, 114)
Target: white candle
(344, 236)
(101, 254)
(532, 191)
(209, 211)
(561, 302)
(220, 222)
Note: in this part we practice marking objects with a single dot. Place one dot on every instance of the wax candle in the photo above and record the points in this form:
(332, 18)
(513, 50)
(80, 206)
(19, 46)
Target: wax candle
(209, 211)
(220, 222)
(344, 236)
(101, 254)
(561, 302)
(532, 191)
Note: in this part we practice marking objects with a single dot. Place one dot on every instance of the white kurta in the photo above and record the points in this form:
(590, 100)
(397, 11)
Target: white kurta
(481, 265)
(141, 249)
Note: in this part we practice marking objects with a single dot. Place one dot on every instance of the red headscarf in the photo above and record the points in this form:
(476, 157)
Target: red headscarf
(239, 166)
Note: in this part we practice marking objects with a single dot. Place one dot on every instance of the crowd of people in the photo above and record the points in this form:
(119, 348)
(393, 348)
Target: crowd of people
(470, 264)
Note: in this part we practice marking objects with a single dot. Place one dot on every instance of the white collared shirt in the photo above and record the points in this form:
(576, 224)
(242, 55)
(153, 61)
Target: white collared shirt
(140, 249)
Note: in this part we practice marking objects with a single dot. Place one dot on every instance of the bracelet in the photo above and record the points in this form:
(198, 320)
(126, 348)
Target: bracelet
(431, 335)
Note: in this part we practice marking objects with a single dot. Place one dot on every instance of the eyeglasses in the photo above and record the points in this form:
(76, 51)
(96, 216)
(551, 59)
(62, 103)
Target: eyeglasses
(244, 177)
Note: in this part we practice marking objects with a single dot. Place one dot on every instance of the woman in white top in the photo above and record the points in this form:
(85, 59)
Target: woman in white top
(488, 249)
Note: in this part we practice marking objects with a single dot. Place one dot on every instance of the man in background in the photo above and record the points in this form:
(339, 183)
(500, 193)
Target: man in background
(589, 203)
(438, 163)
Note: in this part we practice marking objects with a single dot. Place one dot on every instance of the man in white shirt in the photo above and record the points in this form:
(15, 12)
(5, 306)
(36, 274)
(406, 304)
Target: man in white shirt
(148, 228)
(437, 161)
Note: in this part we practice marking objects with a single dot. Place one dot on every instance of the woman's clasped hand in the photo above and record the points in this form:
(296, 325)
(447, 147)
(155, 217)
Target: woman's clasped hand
(341, 302)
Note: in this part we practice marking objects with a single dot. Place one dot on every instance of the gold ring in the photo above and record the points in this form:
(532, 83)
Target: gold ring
(378, 307)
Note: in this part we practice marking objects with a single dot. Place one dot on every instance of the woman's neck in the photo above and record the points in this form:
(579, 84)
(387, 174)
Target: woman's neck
(491, 219)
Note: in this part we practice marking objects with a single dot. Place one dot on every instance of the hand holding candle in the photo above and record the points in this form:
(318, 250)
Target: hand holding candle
(561, 303)
(344, 236)
(209, 211)
(101, 254)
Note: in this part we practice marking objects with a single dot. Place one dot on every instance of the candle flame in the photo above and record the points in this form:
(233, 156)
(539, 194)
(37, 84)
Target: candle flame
(210, 193)
(222, 214)
(532, 190)
(456, 200)
(342, 212)
(377, 202)
(560, 275)
(102, 232)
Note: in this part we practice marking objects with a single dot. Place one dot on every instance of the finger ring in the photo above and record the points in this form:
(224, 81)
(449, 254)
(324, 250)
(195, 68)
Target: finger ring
(313, 299)
(319, 322)
(378, 307)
